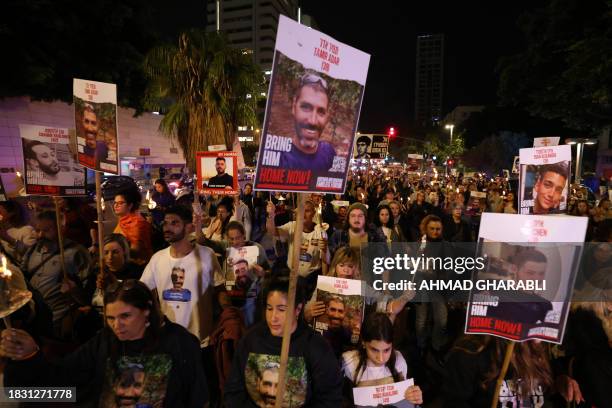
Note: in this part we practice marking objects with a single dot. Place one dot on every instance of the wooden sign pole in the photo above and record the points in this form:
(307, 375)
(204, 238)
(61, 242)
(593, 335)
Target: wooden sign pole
(297, 244)
(100, 223)
(502, 374)
(60, 237)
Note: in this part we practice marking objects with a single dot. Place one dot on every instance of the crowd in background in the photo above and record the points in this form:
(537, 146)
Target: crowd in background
(164, 288)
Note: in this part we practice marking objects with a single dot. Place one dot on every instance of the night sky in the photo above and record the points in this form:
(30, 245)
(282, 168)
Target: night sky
(476, 33)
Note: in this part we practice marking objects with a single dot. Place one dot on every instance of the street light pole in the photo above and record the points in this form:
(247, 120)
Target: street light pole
(450, 127)
(579, 142)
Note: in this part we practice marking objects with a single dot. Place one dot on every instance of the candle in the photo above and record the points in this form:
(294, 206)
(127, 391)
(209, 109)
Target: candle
(5, 275)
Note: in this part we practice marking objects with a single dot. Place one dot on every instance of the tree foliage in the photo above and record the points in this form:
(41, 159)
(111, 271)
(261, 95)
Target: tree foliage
(565, 72)
(205, 88)
(496, 152)
(47, 43)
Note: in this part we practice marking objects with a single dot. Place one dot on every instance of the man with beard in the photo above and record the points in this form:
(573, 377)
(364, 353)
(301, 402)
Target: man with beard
(548, 189)
(222, 179)
(201, 273)
(42, 265)
(129, 385)
(310, 110)
(267, 383)
(338, 336)
(249, 278)
(95, 149)
(43, 167)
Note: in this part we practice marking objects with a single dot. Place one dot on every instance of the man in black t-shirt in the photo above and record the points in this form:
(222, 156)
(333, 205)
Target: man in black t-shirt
(222, 179)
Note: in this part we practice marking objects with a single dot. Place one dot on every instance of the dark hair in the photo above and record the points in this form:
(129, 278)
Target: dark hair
(135, 293)
(132, 197)
(281, 284)
(220, 158)
(364, 139)
(16, 215)
(228, 203)
(376, 326)
(561, 168)
(47, 215)
(28, 150)
(183, 212)
(529, 255)
(235, 225)
(377, 220)
(164, 185)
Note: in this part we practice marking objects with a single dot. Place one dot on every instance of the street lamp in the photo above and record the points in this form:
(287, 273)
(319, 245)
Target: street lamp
(579, 142)
(451, 127)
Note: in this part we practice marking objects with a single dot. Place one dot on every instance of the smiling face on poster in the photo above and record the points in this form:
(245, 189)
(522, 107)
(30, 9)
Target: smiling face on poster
(95, 110)
(544, 179)
(50, 165)
(217, 172)
(313, 108)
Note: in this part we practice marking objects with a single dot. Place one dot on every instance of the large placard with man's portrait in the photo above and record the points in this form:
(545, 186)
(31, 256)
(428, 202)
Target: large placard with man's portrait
(525, 288)
(95, 112)
(49, 162)
(313, 106)
(544, 176)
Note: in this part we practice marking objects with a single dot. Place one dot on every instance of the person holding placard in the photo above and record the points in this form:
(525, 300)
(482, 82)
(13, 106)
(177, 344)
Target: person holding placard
(314, 378)
(376, 362)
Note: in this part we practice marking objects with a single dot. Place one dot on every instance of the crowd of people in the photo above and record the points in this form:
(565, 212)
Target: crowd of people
(191, 302)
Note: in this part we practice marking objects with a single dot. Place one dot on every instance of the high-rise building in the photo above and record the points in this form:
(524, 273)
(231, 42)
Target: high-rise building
(429, 79)
(250, 24)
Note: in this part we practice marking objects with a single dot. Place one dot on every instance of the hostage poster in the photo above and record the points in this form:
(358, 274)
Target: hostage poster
(217, 172)
(383, 395)
(95, 113)
(525, 289)
(370, 147)
(344, 306)
(240, 263)
(544, 176)
(414, 162)
(49, 162)
(313, 106)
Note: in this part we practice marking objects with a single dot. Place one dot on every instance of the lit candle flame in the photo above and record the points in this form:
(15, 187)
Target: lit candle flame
(18, 174)
(6, 272)
(148, 195)
(102, 206)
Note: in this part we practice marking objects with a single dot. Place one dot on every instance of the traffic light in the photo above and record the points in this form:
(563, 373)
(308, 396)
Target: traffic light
(450, 162)
(392, 133)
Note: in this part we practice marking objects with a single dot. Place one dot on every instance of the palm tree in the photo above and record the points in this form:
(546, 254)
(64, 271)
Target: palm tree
(205, 88)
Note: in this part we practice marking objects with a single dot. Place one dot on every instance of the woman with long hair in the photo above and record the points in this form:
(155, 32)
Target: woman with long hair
(139, 358)
(475, 361)
(163, 199)
(313, 370)
(384, 221)
(376, 362)
(216, 230)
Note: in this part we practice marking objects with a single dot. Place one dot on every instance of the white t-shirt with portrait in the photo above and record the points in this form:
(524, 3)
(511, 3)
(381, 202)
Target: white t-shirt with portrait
(189, 305)
(310, 254)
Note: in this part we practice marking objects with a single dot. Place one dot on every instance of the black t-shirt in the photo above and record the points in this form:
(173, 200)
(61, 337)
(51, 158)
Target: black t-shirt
(221, 181)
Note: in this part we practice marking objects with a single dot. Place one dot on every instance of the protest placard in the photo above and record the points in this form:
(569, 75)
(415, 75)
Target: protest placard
(344, 308)
(525, 289)
(544, 175)
(239, 262)
(95, 112)
(217, 172)
(383, 395)
(314, 100)
(370, 147)
(546, 141)
(49, 162)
